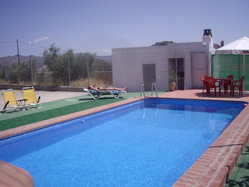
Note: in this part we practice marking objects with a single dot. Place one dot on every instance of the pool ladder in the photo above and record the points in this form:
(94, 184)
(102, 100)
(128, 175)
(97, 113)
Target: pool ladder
(153, 89)
(142, 92)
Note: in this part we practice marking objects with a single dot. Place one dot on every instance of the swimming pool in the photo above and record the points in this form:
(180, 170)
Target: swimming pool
(139, 144)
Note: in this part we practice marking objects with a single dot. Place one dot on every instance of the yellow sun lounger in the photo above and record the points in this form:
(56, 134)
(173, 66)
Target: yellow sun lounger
(10, 101)
(30, 96)
(4, 108)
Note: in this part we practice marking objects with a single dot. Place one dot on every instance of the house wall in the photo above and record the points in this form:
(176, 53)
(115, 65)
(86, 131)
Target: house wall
(127, 64)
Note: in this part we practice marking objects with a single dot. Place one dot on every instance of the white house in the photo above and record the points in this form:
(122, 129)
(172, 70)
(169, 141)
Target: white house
(133, 66)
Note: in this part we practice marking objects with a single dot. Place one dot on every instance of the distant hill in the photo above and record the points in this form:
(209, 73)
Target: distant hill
(9, 60)
(106, 58)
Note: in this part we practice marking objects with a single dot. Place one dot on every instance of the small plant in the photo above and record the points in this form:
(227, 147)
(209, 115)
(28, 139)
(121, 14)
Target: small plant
(172, 76)
(173, 79)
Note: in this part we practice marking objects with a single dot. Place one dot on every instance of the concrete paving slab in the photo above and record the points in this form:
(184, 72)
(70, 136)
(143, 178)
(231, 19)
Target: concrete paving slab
(47, 96)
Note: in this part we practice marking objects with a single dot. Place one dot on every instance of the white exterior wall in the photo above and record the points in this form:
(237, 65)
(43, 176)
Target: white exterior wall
(127, 64)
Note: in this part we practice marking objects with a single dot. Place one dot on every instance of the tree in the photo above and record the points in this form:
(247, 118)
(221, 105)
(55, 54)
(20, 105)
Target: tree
(79, 67)
(34, 70)
(23, 72)
(90, 60)
(162, 43)
(67, 59)
(102, 65)
(13, 73)
(65, 67)
(43, 76)
(57, 64)
(83, 65)
(52, 61)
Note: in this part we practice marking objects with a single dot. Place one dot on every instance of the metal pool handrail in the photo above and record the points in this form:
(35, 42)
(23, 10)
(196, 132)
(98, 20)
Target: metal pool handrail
(153, 86)
(142, 90)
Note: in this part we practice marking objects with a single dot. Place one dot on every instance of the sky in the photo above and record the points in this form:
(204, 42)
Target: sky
(97, 26)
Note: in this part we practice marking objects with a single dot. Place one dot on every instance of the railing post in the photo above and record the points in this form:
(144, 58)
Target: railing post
(142, 90)
(153, 86)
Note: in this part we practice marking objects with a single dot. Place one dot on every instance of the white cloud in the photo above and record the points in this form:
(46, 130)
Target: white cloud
(40, 39)
(108, 51)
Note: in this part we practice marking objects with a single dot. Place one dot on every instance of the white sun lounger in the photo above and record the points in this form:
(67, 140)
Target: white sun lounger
(97, 94)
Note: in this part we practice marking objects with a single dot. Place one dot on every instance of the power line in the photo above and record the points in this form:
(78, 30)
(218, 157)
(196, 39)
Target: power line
(18, 45)
(4, 42)
(32, 44)
(8, 42)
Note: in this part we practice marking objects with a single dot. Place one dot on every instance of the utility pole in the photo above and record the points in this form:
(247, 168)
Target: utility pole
(69, 77)
(18, 56)
(31, 70)
(88, 69)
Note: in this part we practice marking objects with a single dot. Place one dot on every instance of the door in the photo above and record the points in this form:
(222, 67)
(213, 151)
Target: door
(199, 68)
(149, 74)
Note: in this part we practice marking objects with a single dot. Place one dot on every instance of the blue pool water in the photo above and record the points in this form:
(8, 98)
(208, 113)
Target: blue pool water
(148, 143)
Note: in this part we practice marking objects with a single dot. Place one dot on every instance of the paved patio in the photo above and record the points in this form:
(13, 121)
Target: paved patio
(47, 96)
(213, 167)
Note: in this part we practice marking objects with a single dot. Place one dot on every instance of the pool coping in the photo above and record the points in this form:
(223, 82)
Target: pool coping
(215, 165)
(211, 169)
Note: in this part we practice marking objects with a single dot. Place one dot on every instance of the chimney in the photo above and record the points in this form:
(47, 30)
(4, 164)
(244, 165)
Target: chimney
(208, 37)
(207, 32)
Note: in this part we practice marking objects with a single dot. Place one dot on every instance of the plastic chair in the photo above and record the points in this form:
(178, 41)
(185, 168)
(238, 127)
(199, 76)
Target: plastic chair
(210, 83)
(30, 96)
(203, 79)
(228, 83)
(238, 84)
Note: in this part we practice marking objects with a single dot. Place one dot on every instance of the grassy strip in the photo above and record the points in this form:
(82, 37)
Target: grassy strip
(54, 112)
(240, 174)
(56, 109)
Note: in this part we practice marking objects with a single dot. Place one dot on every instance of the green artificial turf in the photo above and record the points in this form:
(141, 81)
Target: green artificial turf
(55, 109)
(47, 114)
(240, 174)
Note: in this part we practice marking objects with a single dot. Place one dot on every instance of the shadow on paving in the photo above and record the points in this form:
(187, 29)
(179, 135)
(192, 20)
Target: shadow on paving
(240, 174)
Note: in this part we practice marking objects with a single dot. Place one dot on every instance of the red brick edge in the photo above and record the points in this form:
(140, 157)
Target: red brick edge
(217, 162)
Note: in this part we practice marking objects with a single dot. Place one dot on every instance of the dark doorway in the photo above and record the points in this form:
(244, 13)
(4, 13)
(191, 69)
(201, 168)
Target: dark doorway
(149, 74)
(177, 64)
